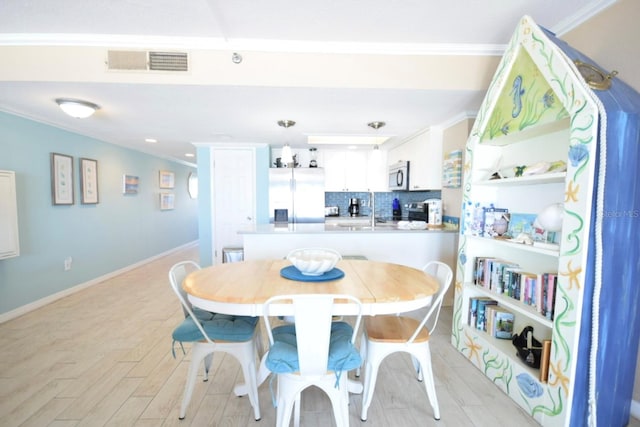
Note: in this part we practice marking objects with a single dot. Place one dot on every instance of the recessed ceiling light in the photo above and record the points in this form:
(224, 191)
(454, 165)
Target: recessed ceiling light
(189, 155)
(150, 140)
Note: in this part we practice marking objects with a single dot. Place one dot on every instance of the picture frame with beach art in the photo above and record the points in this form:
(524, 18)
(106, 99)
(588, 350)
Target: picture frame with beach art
(89, 181)
(61, 179)
(167, 179)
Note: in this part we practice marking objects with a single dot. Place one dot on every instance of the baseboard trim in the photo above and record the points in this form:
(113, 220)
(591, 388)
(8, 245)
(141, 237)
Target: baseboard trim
(4, 317)
(635, 409)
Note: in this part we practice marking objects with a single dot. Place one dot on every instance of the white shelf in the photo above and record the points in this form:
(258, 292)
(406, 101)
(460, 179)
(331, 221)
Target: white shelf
(512, 304)
(507, 349)
(517, 246)
(546, 178)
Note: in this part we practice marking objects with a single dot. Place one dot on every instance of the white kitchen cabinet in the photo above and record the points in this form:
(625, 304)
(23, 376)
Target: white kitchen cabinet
(345, 170)
(377, 170)
(425, 161)
(9, 241)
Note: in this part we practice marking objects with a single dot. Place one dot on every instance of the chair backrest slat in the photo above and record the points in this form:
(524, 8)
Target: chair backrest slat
(444, 274)
(177, 274)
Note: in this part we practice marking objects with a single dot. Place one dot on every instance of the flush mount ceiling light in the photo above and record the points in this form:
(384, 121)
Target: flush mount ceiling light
(286, 155)
(77, 108)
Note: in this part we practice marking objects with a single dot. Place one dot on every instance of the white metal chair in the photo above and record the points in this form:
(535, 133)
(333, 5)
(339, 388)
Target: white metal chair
(384, 335)
(312, 351)
(212, 332)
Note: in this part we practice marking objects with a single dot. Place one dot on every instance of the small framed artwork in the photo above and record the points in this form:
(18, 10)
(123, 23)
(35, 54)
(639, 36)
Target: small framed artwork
(167, 179)
(61, 179)
(89, 181)
(130, 184)
(452, 170)
(166, 201)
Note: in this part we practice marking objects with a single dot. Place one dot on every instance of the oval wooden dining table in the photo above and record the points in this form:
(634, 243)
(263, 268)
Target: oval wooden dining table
(241, 288)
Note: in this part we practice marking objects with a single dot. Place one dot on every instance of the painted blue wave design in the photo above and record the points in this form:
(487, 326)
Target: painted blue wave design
(517, 91)
(529, 386)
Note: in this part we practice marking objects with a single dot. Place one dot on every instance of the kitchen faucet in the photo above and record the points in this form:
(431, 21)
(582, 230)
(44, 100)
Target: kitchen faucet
(372, 205)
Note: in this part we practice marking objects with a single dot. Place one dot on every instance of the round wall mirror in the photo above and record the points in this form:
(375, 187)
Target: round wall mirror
(192, 185)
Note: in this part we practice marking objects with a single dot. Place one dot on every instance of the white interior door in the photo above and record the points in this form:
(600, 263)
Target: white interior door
(233, 196)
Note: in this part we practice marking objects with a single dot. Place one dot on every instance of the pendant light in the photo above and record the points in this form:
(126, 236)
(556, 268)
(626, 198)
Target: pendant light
(376, 125)
(287, 156)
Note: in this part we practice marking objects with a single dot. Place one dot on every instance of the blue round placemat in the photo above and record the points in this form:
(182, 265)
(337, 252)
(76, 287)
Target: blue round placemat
(293, 273)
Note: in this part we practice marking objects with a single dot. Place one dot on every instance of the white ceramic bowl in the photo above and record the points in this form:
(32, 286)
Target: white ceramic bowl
(314, 261)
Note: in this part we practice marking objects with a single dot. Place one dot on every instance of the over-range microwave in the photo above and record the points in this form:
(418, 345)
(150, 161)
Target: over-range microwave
(399, 176)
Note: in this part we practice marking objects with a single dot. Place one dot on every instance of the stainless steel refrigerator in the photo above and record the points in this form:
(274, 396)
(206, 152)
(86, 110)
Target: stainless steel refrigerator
(298, 190)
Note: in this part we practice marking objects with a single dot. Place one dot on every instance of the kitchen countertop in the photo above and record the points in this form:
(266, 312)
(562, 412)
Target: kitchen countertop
(338, 227)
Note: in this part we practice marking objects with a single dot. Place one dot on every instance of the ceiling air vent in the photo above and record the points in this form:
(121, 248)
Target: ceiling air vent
(145, 61)
(168, 61)
(127, 60)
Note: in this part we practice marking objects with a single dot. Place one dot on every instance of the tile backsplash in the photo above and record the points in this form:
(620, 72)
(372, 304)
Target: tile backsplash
(383, 201)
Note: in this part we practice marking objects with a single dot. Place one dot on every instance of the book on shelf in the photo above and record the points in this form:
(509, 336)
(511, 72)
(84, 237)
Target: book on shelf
(528, 283)
(473, 312)
(478, 271)
(490, 274)
(511, 277)
(507, 278)
(544, 361)
(481, 322)
(477, 308)
(550, 281)
(502, 323)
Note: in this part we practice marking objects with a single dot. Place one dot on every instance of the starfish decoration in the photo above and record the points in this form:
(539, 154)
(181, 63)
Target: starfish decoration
(458, 286)
(572, 193)
(560, 378)
(473, 348)
(573, 275)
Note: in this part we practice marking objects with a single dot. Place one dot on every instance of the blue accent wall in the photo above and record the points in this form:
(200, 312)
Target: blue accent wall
(119, 231)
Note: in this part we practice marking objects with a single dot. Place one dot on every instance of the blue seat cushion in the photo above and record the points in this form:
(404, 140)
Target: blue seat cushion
(218, 327)
(283, 354)
(202, 314)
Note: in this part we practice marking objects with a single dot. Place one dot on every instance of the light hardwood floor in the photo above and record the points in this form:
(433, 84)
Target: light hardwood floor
(103, 357)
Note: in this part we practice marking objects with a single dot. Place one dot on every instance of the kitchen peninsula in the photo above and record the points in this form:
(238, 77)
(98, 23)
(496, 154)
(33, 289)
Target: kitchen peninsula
(380, 242)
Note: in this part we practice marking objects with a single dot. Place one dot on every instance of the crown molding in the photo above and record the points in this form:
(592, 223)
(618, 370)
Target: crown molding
(581, 16)
(256, 45)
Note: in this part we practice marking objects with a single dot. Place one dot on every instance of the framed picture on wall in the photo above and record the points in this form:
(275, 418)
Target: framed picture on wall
(89, 181)
(130, 184)
(166, 201)
(167, 179)
(452, 169)
(61, 179)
